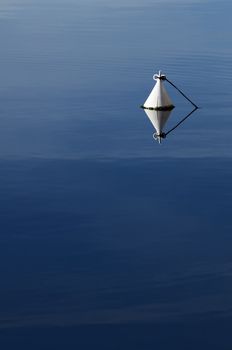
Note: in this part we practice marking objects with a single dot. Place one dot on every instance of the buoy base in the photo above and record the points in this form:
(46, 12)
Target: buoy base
(165, 108)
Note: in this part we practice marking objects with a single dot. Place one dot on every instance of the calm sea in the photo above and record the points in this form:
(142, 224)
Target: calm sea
(108, 239)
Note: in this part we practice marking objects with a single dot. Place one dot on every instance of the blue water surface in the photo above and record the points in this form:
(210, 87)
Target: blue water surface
(110, 240)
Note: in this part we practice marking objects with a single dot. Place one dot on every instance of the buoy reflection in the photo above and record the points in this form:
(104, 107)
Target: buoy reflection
(159, 120)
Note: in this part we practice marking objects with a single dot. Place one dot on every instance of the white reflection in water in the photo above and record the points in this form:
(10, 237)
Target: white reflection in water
(160, 118)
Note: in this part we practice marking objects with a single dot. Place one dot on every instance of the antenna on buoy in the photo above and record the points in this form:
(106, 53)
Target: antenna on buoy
(159, 98)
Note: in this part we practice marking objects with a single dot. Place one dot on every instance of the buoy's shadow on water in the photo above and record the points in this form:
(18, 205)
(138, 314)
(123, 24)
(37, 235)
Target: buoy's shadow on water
(160, 118)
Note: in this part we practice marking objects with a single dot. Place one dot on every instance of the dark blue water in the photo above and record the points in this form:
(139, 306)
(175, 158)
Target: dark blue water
(109, 240)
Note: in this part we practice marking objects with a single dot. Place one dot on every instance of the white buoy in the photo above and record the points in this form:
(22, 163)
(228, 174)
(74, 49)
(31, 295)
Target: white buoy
(159, 98)
(158, 118)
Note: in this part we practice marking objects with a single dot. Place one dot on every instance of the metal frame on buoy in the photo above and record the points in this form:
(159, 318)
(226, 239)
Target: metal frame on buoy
(159, 98)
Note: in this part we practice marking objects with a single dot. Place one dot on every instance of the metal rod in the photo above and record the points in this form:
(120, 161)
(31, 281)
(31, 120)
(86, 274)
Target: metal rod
(181, 93)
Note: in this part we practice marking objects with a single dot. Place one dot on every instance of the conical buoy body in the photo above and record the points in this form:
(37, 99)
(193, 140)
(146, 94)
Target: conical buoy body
(159, 98)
